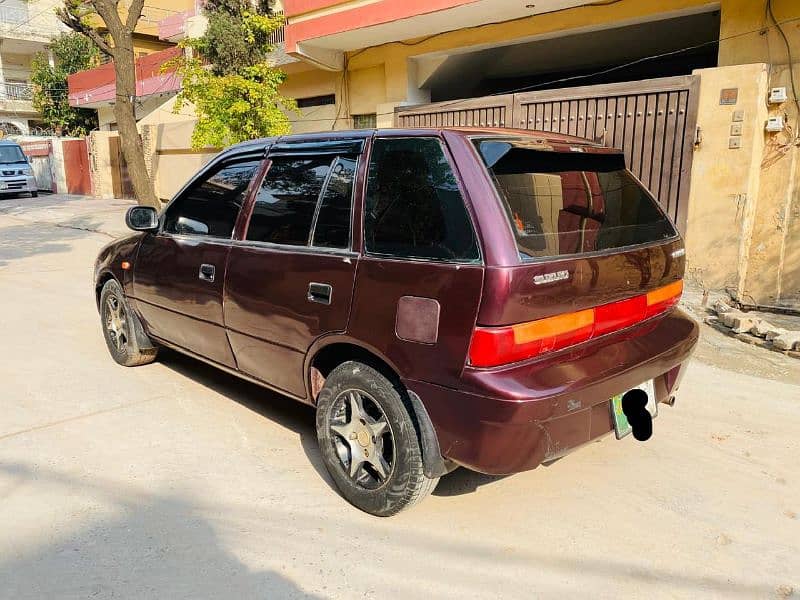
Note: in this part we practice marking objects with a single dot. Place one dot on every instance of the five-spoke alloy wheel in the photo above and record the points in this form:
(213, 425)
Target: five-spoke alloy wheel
(125, 338)
(369, 440)
(363, 438)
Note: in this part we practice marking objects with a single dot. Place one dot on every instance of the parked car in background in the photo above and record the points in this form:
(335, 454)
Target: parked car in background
(491, 299)
(16, 173)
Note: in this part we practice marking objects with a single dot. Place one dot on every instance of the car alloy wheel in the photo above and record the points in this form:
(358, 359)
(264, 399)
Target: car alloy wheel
(117, 323)
(362, 439)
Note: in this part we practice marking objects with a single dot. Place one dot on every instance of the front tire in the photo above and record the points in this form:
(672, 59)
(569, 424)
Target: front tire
(127, 343)
(369, 441)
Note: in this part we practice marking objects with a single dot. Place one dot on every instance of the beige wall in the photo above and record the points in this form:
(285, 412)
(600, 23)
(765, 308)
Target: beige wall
(725, 181)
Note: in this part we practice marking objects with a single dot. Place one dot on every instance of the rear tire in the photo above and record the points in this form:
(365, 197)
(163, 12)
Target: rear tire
(369, 441)
(128, 344)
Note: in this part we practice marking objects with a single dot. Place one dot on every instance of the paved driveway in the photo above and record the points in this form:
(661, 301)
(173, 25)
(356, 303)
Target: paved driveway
(176, 481)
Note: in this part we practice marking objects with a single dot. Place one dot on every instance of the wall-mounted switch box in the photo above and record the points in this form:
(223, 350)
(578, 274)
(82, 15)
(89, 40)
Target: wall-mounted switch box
(775, 124)
(736, 129)
(738, 116)
(778, 95)
(735, 143)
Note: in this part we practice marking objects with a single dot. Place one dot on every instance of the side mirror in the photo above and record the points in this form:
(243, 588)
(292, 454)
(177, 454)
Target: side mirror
(142, 218)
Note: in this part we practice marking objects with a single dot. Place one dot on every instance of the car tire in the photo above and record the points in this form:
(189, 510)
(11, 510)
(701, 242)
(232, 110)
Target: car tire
(126, 340)
(34, 194)
(363, 416)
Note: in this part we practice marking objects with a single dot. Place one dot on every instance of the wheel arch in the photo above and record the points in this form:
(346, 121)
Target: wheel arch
(102, 279)
(333, 351)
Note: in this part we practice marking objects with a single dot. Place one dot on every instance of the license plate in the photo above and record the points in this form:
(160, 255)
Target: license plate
(621, 425)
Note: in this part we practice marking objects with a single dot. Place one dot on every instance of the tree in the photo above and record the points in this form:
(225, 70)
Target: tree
(81, 16)
(72, 53)
(229, 80)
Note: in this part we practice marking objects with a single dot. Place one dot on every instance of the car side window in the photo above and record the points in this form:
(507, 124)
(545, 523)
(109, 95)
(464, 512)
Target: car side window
(211, 205)
(332, 224)
(287, 201)
(414, 208)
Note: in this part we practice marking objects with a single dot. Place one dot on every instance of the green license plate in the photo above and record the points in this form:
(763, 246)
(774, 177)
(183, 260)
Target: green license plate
(621, 426)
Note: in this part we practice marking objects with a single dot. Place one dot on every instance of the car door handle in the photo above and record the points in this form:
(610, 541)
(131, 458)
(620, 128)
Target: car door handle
(321, 293)
(207, 273)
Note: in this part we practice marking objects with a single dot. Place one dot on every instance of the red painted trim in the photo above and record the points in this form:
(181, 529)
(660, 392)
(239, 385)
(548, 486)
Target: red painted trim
(100, 84)
(292, 8)
(377, 13)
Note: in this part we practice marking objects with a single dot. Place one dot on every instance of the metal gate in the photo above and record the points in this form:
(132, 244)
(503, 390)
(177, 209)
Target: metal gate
(652, 121)
(40, 154)
(76, 167)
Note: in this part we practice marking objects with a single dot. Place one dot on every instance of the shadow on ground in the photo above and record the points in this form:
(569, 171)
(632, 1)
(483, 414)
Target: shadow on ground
(152, 547)
(296, 417)
(148, 545)
(31, 239)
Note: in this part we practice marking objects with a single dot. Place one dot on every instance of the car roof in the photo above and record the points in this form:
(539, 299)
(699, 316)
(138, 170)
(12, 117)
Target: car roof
(350, 134)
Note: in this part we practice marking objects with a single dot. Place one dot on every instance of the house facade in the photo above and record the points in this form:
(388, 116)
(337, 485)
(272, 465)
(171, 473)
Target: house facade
(562, 65)
(26, 28)
(698, 94)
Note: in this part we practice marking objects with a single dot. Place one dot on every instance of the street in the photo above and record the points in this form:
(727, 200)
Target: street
(174, 480)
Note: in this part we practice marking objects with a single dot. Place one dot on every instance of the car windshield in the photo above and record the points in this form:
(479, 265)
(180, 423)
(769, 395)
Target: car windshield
(573, 201)
(11, 154)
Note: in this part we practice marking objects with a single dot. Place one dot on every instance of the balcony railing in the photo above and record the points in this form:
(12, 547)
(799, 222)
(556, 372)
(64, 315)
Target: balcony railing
(13, 14)
(16, 91)
(279, 35)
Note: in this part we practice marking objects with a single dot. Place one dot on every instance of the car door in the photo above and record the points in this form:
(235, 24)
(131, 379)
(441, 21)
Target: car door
(180, 271)
(290, 279)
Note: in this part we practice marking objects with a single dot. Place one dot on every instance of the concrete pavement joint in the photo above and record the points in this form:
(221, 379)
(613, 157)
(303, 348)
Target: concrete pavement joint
(78, 418)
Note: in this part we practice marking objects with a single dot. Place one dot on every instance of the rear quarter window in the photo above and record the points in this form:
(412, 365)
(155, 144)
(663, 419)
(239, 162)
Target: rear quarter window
(566, 203)
(414, 208)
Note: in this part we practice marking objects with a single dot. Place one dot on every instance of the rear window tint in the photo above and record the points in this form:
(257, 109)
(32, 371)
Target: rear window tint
(565, 203)
(414, 208)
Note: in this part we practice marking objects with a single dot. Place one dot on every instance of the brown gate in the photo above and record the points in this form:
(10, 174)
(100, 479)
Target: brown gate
(652, 121)
(120, 179)
(76, 167)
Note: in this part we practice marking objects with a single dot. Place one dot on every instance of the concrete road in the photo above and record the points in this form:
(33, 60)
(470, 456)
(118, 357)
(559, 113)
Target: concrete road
(176, 481)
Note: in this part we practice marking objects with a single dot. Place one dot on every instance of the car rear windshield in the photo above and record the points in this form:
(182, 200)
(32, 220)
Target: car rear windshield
(571, 200)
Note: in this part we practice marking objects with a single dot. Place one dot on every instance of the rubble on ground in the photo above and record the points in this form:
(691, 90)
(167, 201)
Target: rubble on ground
(754, 330)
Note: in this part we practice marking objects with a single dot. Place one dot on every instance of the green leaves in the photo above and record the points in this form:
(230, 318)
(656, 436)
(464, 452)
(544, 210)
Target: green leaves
(72, 52)
(234, 90)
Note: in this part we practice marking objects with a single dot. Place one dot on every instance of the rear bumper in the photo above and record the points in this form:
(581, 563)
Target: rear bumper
(513, 419)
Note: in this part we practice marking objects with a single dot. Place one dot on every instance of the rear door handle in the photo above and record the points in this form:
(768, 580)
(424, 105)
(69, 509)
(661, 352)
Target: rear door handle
(207, 273)
(321, 293)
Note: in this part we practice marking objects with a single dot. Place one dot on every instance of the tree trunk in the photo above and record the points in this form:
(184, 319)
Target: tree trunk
(125, 113)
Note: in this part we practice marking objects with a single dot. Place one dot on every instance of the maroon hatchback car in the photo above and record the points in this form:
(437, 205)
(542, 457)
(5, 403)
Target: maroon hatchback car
(491, 299)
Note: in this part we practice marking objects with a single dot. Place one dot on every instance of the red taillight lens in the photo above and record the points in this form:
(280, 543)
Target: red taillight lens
(495, 346)
(619, 315)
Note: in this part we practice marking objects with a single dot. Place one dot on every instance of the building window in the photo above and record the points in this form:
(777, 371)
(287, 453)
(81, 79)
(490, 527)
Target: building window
(369, 121)
(316, 101)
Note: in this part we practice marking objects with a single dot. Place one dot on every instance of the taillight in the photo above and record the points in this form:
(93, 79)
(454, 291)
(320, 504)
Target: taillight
(662, 299)
(495, 346)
